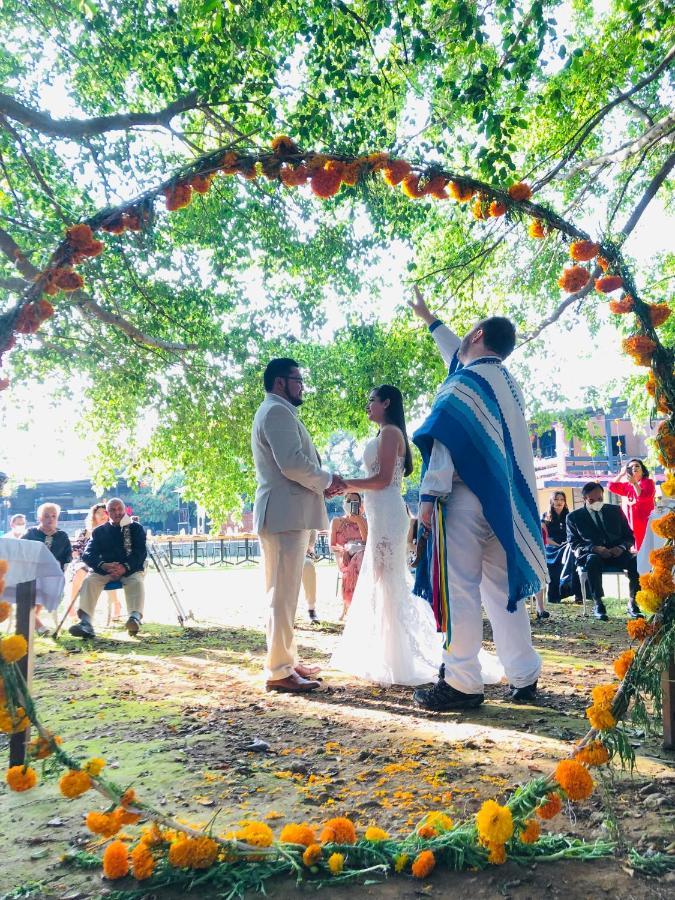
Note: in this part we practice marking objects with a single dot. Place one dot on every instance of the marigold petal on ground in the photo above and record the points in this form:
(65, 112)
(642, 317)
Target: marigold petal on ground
(116, 860)
(574, 779)
(494, 823)
(423, 864)
(21, 778)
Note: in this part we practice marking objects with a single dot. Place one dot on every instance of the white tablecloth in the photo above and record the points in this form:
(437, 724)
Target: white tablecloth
(30, 560)
(652, 541)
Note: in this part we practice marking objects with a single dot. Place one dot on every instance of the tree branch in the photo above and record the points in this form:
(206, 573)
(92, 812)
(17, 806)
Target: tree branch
(627, 229)
(78, 129)
(90, 309)
(12, 251)
(664, 128)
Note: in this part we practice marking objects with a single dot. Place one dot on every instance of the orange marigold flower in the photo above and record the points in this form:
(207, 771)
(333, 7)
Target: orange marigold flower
(531, 832)
(28, 319)
(593, 754)
(550, 807)
(80, 236)
(5, 610)
(152, 836)
(114, 225)
(201, 183)
(177, 196)
(496, 854)
(603, 263)
(658, 313)
(298, 834)
(439, 820)
(106, 824)
(664, 527)
(427, 831)
(660, 583)
(603, 695)
(662, 557)
(351, 173)
(21, 778)
(497, 209)
(460, 192)
(435, 187)
(536, 229)
(45, 309)
(574, 779)
(377, 161)
(520, 191)
(572, 280)
(116, 860)
(600, 718)
(74, 783)
(258, 834)
(13, 724)
(325, 183)
(67, 280)
(477, 209)
(640, 347)
(293, 177)
(338, 831)
(583, 251)
(228, 164)
(246, 168)
(133, 221)
(639, 629)
(142, 862)
(271, 168)
(625, 305)
(395, 171)
(282, 145)
(623, 663)
(4, 567)
(312, 855)
(13, 648)
(316, 162)
(126, 817)
(423, 864)
(128, 798)
(411, 187)
(608, 283)
(193, 853)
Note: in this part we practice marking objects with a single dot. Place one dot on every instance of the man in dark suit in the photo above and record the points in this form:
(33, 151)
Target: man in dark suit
(600, 538)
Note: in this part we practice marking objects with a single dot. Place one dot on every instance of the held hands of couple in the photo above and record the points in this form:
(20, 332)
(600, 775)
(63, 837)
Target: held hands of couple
(337, 486)
(425, 512)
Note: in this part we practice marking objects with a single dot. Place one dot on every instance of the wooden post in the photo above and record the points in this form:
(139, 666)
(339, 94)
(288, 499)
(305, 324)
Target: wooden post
(25, 625)
(668, 693)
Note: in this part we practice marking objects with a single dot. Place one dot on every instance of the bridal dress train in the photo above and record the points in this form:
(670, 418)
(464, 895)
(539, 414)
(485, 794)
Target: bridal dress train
(390, 634)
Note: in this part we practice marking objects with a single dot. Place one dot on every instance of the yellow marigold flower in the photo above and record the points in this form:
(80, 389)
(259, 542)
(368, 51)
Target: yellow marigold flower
(312, 855)
(193, 853)
(603, 695)
(5, 610)
(116, 860)
(494, 823)
(439, 820)
(668, 486)
(94, 766)
(13, 724)
(623, 663)
(530, 834)
(13, 648)
(400, 862)
(376, 834)
(574, 779)
(600, 718)
(21, 778)
(336, 862)
(550, 807)
(258, 834)
(74, 783)
(497, 854)
(298, 834)
(338, 831)
(142, 862)
(423, 864)
(593, 754)
(648, 601)
(536, 229)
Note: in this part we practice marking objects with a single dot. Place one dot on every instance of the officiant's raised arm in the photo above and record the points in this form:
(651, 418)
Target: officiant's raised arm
(446, 340)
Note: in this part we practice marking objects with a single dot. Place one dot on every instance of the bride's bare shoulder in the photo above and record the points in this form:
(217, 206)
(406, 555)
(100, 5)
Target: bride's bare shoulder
(392, 433)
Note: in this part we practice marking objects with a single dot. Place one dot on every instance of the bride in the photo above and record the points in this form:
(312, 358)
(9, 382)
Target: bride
(390, 635)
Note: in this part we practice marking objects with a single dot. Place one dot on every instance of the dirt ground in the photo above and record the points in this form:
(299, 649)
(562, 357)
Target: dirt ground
(174, 712)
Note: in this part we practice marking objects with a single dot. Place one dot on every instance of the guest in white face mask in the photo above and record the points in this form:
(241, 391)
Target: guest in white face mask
(601, 538)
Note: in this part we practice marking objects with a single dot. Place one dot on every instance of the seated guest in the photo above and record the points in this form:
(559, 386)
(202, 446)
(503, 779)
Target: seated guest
(115, 551)
(554, 521)
(600, 538)
(17, 526)
(97, 515)
(638, 491)
(348, 535)
(55, 540)
(309, 578)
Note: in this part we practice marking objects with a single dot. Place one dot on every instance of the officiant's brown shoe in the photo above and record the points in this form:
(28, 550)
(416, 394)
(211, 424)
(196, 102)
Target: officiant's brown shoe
(292, 684)
(309, 672)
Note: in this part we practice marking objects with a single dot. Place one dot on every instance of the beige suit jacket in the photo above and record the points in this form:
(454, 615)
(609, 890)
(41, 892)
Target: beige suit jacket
(290, 479)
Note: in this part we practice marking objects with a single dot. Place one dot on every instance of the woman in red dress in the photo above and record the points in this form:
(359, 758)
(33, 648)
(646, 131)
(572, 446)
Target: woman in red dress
(638, 490)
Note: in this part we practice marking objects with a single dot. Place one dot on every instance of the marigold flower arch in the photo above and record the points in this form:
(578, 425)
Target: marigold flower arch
(169, 852)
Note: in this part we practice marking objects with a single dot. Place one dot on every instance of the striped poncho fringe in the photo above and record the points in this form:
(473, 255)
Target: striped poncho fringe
(479, 416)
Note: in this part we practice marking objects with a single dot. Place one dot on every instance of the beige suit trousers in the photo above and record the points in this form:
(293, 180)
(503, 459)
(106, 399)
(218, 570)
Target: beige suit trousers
(93, 584)
(283, 556)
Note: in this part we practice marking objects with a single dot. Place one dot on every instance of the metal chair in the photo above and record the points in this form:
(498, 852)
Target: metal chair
(582, 574)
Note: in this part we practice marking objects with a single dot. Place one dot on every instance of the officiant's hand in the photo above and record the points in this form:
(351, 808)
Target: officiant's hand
(420, 308)
(425, 511)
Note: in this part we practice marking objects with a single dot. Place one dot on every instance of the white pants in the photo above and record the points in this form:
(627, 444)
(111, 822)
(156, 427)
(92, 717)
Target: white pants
(477, 574)
(283, 556)
(309, 582)
(93, 584)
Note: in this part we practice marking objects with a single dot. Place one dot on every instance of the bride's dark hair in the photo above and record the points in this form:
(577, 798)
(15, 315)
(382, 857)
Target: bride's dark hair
(396, 416)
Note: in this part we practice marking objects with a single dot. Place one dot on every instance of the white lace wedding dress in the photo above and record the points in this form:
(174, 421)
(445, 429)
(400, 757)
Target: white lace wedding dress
(390, 634)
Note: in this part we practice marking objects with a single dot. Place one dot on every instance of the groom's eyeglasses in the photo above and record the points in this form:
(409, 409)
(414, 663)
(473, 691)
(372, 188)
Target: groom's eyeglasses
(294, 378)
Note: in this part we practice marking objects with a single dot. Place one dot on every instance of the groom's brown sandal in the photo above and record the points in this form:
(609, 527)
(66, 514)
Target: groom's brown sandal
(292, 684)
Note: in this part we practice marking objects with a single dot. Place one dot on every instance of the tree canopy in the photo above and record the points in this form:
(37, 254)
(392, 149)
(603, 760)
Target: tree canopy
(100, 101)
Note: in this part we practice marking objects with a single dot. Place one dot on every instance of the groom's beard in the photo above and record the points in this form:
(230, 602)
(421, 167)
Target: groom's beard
(294, 401)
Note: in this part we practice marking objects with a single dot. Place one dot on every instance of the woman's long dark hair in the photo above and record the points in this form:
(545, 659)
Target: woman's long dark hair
(551, 515)
(645, 470)
(396, 416)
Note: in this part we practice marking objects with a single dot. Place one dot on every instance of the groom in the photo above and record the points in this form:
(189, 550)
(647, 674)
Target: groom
(289, 503)
(478, 496)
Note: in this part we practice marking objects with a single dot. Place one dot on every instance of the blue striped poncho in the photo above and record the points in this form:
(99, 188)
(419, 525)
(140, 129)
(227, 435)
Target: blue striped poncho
(479, 415)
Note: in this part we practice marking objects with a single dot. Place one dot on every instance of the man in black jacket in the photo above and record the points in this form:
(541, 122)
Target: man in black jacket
(115, 551)
(601, 538)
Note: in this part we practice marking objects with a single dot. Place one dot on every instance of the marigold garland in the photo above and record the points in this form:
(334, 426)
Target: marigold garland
(574, 779)
(460, 192)
(338, 831)
(106, 824)
(603, 695)
(574, 279)
(13, 723)
(427, 831)
(193, 852)
(116, 860)
(531, 833)
(94, 766)
(608, 283)
(658, 313)
(593, 754)
(520, 192)
(494, 823)
(623, 663)
(282, 145)
(435, 188)
(664, 526)
(648, 601)
(639, 629)
(497, 209)
(423, 864)
(625, 305)
(663, 557)
(21, 778)
(325, 183)
(640, 347)
(600, 718)
(400, 862)
(584, 251)
(411, 187)
(537, 230)
(440, 820)
(496, 854)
